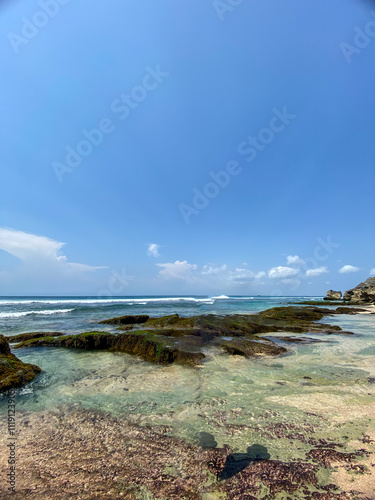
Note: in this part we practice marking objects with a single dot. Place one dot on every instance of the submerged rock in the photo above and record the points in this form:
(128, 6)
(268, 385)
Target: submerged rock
(364, 293)
(250, 348)
(13, 372)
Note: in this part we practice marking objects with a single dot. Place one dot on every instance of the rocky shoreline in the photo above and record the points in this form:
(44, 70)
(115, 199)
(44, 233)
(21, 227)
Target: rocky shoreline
(175, 339)
(172, 339)
(362, 294)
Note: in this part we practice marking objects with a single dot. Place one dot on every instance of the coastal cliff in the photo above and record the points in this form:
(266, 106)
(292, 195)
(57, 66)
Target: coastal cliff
(364, 293)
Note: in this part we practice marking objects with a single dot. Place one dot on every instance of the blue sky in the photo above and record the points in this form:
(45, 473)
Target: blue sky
(186, 147)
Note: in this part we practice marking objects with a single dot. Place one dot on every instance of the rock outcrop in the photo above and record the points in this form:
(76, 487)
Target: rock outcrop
(13, 372)
(364, 293)
(333, 295)
(153, 348)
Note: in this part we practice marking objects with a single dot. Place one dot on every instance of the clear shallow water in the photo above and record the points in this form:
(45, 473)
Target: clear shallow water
(318, 390)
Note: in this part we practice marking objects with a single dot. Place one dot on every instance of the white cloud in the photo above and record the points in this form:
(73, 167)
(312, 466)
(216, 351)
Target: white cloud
(348, 269)
(213, 269)
(294, 260)
(260, 275)
(210, 275)
(240, 273)
(153, 250)
(282, 272)
(317, 271)
(372, 271)
(39, 252)
(177, 270)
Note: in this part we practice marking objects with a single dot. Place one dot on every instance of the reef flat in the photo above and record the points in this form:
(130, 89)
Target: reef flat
(175, 339)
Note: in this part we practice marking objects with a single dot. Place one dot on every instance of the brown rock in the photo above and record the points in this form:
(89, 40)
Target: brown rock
(364, 293)
(333, 295)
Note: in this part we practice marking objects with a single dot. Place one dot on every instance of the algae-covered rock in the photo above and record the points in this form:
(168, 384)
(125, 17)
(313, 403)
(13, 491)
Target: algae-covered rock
(126, 320)
(13, 372)
(33, 335)
(293, 314)
(210, 326)
(299, 319)
(89, 341)
(155, 348)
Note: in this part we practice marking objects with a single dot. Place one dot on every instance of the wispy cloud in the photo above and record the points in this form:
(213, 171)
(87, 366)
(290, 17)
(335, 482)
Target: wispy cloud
(153, 250)
(372, 271)
(317, 271)
(348, 269)
(39, 252)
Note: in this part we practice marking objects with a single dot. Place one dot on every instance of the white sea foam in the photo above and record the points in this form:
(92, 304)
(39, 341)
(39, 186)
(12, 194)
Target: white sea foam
(221, 297)
(26, 313)
(129, 301)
